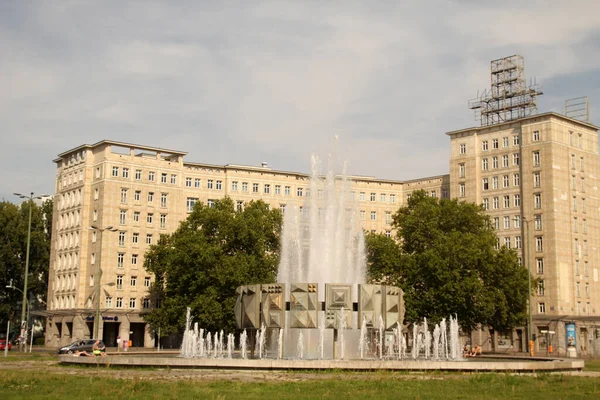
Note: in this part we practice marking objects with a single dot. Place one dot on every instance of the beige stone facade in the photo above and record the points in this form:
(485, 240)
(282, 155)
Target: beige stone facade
(538, 177)
(142, 192)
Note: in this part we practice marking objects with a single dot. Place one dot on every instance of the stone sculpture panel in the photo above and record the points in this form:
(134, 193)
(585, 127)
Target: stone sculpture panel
(394, 307)
(273, 305)
(370, 304)
(303, 305)
(338, 297)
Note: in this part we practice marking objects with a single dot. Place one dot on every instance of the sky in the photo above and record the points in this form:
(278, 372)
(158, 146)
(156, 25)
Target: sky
(245, 82)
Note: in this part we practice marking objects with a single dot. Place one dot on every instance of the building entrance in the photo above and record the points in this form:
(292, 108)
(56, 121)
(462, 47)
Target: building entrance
(137, 335)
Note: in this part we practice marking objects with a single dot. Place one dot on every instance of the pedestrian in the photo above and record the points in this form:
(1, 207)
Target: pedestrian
(125, 344)
(118, 343)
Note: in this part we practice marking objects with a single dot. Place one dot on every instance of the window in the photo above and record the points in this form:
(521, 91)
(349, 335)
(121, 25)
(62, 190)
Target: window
(244, 187)
(536, 136)
(125, 172)
(362, 196)
(135, 238)
(536, 179)
(282, 208)
(539, 243)
(115, 171)
(136, 216)
(505, 181)
(219, 185)
(517, 200)
(575, 225)
(578, 289)
(307, 193)
(497, 223)
(136, 195)
(506, 201)
(277, 189)
(585, 248)
(267, 189)
(388, 217)
(163, 178)
(96, 194)
(163, 217)
(579, 140)
(373, 215)
(537, 200)
(234, 186)
(572, 161)
(516, 140)
(134, 259)
(540, 288)
(462, 190)
(518, 243)
(463, 148)
(486, 203)
(539, 263)
(516, 159)
(210, 184)
(148, 238)
(119, 302)
(173, 179)
(494, 143)
(582, 184)
(583, 206)
(517, 220)
(542, 308)
(433, 194)
(188, 182)
(373, 197)
(516, 180)
(123, 196)
(147, 281)
(362, 215)
(484, 165)
(484, 145)
(299, 192)
(586, 268)
(287, 190)
(150, 197)
(538, 222)
(507, 222)
(190, 202)
(584, 226)
(382, 197)
(536, 158)
(149, 218)
(151, 176)
(496, 203)
(119, 281)
(461, 170)
(122, 217)
(388, 234)
(120, 260)
(197, 183)
(108, 302)
(495, 182)
(138, 174)
(485, 184)
(581, 164)
(121, 238)
(587, 290)
(505, 161)
(97, 172)
(507, 242)
(132, 302)
(146, 303)
(505, 141)
(494, 162)
(163, 199)
(133, 281)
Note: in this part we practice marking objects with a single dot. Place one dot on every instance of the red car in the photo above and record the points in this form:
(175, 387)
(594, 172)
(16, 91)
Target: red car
(3, 345)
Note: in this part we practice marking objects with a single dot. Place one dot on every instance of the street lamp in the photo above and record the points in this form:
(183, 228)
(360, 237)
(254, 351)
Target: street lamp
(10, 286)
(526, 256)
(24, 291)
(99, 274)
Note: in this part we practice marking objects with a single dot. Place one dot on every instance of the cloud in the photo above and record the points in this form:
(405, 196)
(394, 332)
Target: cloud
(245, 82)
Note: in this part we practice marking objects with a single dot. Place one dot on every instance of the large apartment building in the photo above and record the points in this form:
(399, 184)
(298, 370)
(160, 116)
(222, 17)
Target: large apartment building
(114, 199)
(538, 178)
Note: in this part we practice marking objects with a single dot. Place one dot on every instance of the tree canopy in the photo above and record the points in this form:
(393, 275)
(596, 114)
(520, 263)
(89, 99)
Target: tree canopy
(14, 221)
(215, 250)
(446, 261)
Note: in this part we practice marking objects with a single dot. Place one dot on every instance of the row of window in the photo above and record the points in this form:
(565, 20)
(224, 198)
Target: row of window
(124, 173)
(108, 302)
(542, 308)
(69, 199)
(495, 203)
(70, 179)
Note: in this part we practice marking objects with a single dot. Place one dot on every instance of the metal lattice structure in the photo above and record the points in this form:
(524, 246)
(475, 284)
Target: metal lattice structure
(578, 108)
(509, 97)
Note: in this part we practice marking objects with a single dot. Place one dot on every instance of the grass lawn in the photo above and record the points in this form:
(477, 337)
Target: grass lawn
(17, 383)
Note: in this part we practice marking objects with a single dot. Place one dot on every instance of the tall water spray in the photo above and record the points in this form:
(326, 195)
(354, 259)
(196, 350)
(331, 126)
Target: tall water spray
(323, 241)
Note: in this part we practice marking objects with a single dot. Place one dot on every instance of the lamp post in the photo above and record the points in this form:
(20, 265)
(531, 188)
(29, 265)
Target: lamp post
(99, 274)
(24, 291)
(26, 318)
(526, 256)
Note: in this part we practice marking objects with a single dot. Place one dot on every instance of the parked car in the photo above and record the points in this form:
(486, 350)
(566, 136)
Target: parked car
(3, 345)
(81, 345)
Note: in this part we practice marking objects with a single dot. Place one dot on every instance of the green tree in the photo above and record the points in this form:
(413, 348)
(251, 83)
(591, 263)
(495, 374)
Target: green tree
(384, 259)
(14, 221)
(215, 250)
(451, 266)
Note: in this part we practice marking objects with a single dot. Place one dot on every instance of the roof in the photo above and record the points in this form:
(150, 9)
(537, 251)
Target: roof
(122, 144)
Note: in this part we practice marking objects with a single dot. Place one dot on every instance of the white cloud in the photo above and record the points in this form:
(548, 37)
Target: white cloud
(244, 82)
